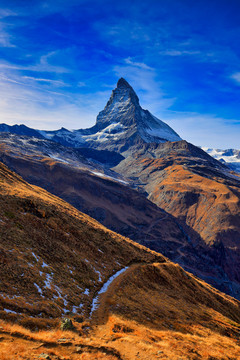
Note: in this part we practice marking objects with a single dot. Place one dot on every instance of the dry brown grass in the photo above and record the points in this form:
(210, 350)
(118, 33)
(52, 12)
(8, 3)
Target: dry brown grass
(14, 351)
(154, 310)
(176, 317)
(165, 296)
(37, 228)
(42, 335)
(142, 342)
(146, 343)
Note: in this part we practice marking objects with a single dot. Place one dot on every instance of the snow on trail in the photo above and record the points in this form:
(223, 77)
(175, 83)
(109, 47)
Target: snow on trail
(95, 302)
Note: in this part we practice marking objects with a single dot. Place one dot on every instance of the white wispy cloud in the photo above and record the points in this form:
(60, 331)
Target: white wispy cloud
(236, 77)
(175, 52)
(137, 64)
(7, 12)
(122, 31)
(207, 130)
(21, 101)
(42, 66)
(81, 84)
(6, 38)
(58, 83)
(19, 80)
(36, 109)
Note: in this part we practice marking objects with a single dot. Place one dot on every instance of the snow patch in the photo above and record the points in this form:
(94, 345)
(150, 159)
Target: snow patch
(58, 159)
(35, 256)
(110, 132)
(79, 287)
(39, 289)
(58, 292)
(162, 133)
(10, 297)
(109, 177)
(46, 134)
(99, 275)
(10, 311)
(86, 292)
(75, 309)
(95, 302)
(48, 281)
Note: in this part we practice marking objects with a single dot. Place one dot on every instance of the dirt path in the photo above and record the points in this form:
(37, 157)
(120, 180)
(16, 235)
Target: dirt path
(154, 223)
(101, 312)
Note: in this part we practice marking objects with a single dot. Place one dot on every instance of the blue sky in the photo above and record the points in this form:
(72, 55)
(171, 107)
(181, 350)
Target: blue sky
(59, 61)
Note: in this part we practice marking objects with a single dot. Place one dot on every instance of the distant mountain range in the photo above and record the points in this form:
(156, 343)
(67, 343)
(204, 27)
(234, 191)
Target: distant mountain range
(230, 157)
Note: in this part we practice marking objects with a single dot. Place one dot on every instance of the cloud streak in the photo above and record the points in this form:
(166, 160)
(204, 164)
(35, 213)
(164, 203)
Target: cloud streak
(42, 65)
(137, 64)
(174, 52)
(236, 77)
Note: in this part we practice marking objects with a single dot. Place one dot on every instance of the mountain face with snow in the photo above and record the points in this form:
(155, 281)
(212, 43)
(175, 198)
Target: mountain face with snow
(230, 157)
(123, 122)
(121, 125)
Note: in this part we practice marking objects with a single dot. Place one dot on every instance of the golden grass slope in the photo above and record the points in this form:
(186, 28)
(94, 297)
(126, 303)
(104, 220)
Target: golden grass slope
(54, 258)
(154, 310)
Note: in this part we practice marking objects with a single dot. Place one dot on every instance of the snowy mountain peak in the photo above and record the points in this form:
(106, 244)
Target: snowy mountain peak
(123, 88)
(122, 83)
(121, 107)
(124, 117)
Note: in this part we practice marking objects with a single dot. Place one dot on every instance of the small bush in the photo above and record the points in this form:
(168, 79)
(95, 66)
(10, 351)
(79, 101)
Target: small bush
(67, 324)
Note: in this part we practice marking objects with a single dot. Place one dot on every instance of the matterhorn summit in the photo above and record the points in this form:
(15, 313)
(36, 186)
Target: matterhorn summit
(123, 123)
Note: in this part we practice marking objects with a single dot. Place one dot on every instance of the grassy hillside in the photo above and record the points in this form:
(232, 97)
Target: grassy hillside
(54, 258)
(54, 261)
